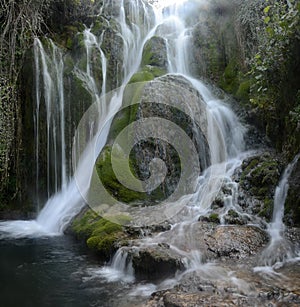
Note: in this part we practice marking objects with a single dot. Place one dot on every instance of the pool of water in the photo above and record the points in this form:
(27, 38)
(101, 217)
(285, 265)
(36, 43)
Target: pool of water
(56, 271)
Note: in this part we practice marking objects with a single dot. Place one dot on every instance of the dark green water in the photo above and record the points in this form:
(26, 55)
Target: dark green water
(54, 272)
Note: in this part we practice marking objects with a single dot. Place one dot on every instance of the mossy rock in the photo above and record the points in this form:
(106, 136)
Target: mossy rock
(230, 80)
(261, 175)
(100, 234)
(212, 218)
(110, 181)
(155, 53)
(243, 91)
(147, 73)
(267, 210)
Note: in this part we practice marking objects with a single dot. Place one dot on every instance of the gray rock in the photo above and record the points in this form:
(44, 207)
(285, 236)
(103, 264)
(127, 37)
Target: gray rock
(236, 241)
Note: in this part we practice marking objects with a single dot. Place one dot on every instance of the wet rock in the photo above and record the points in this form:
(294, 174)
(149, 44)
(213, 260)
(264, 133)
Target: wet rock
(292, 205)
(236, 241)
(155, 262)
(234, 218)
(147, 230)
(228, 242)
(212, 218)
(258, 177)
(155, 52)
(293, 235)
(213, 285)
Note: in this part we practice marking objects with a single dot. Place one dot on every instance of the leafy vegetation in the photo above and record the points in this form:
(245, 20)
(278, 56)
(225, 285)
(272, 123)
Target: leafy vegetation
(270, 64)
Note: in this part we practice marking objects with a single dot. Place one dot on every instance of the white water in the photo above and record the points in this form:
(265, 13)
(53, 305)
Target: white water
(49, 81)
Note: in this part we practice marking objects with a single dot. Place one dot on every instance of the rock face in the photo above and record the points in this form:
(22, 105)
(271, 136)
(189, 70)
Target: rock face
(258, 178)
(155, 52)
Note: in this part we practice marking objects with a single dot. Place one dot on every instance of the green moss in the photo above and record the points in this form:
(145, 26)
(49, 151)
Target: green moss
(141, 76)
(84, 226)
(214, 218)
(147, 73)
(243, 91)
(149, 57)
(122, 120)
(230, 81)
(233, 213)
(261, 174)
(100, 234)
(110, 181)
(267, 209)
(292, 208)
(104, 246)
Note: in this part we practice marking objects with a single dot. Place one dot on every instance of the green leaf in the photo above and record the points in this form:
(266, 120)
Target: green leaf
(267, 19)
(266, 9)
(270, 30)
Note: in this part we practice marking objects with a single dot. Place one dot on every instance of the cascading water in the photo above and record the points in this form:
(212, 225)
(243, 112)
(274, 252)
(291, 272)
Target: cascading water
(276, 227)
(279, 249)
(225, 138)
(49, 80)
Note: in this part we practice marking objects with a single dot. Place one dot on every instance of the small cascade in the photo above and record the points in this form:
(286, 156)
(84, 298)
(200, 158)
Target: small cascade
(120, 268)
(279, 249)
(276, 227)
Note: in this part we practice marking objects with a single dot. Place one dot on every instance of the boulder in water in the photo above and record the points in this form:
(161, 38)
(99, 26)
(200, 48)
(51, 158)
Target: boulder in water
(155, 262)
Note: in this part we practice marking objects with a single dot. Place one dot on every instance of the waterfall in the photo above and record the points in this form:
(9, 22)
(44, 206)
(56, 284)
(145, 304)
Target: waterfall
(135, 26)
(276, 227)
(279, 249)
(225, 138)
(49, 80)
(70, 193)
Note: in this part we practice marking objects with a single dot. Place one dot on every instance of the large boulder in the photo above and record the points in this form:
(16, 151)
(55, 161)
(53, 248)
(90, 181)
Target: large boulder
(155, 262)
(170, 105)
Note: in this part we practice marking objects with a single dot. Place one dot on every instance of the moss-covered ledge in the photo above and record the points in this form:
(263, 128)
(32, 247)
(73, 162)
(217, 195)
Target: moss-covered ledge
(101, 236)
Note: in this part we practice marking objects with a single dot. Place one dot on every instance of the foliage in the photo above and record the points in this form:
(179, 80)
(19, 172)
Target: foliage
(7, 128)
(270, 63)
(20, 20)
